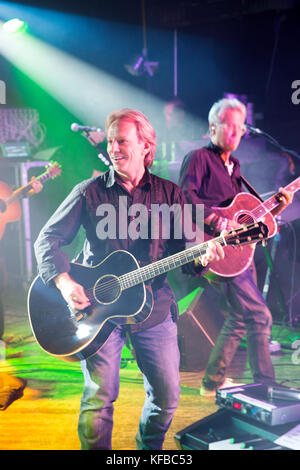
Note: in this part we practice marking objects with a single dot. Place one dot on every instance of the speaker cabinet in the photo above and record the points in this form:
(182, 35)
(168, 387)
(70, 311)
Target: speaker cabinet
(198, 329)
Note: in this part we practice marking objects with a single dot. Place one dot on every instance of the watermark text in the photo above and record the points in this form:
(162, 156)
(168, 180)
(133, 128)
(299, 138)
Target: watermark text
(296, 93)
(159, 221)
(2, 92)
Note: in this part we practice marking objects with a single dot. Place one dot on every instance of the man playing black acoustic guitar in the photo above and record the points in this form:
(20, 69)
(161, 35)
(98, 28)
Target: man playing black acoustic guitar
(131, 148)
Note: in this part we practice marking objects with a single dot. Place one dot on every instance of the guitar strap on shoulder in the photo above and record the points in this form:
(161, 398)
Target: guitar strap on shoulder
(250, 188)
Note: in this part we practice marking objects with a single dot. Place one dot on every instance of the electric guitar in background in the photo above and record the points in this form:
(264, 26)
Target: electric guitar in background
(246, 209)
(10, 209)
(117, 293)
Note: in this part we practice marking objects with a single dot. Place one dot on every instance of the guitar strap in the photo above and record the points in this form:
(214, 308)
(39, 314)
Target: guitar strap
(250, 188)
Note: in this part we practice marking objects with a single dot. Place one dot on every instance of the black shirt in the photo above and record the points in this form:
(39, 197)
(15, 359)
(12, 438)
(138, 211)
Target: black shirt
(90, 204)
(205, 179)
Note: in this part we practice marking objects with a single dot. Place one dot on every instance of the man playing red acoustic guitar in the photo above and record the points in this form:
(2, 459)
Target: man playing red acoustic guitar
(211, 176)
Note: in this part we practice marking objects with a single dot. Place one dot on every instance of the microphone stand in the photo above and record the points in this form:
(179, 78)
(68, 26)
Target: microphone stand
(270, 258)
(283, 150)
(102, 157)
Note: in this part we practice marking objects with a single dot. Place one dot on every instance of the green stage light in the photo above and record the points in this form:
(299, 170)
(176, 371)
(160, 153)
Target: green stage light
(14, 26)
(84, 90)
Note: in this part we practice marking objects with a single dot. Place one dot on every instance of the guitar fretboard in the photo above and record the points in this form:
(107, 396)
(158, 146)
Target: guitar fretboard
(21, 192)
(157, 268)
(265, 207)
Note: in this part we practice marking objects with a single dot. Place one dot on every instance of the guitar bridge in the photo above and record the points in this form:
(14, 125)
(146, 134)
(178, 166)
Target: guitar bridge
(76, 314)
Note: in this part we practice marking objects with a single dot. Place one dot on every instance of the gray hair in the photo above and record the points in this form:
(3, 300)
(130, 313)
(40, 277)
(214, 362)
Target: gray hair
(220, 106)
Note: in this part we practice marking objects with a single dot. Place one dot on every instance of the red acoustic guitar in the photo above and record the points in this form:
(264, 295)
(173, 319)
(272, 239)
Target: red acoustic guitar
(10, 209)
(245, 209)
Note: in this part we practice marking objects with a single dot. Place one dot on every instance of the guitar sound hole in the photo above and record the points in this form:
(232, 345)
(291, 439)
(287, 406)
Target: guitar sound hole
(245, 219)
(107, 289)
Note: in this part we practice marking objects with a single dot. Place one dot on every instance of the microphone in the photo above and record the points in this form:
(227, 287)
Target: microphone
(76, 127)
(254, 130)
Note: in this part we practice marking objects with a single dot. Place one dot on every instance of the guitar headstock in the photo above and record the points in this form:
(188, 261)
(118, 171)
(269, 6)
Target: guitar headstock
(252, 233)
(53, 169)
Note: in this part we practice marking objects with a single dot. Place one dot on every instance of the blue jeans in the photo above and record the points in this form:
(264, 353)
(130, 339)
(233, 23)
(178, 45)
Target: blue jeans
(157, 357)
(248, 314)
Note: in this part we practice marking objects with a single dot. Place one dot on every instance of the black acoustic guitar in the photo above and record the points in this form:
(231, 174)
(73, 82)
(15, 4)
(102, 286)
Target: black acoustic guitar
(118, 295)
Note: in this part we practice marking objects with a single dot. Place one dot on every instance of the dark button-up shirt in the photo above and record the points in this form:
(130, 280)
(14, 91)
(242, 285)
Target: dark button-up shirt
(103, 203)
(205, 179)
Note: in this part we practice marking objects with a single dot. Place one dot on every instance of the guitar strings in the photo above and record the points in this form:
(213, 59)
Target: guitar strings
(135, 275)
(154, 269)
(256, 213)
(145, 273)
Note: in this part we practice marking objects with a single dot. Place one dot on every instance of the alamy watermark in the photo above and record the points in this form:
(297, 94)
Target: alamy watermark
(296, 353)
(296, 94)
(2, 92)
(159, 221)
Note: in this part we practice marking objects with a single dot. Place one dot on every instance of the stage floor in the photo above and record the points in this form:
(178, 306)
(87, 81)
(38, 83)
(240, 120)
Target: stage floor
(45, 418)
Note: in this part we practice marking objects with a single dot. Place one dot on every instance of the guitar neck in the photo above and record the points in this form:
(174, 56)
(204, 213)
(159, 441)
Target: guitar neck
(165, 265)
(22, 192)
(267, 206)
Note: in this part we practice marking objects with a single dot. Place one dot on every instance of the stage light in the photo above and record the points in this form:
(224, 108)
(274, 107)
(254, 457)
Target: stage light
(150, 67)
(135, 67)
(14, 26)
(141, 65)
(85, 90)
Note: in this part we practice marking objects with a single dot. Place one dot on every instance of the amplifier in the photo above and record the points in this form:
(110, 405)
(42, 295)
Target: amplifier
(260, 403)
